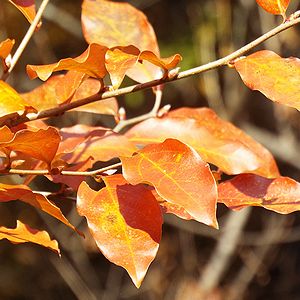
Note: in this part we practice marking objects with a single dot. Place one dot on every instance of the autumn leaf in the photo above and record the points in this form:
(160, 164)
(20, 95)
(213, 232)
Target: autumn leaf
(47, 96)
(41, 144)
(217, 141)
(125, 221)
(115, 24)
(23, 234)
(179, 176)
(119, 61)
(6, 47)
(90, 62)
(275, 7)
(24, 194)
(277, 78)
(281, 194)
(11, 103)
(99, 143)
(26, 7)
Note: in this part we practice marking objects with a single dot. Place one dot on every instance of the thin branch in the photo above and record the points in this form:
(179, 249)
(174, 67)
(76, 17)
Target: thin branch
(26, 39)
(67, 173)
(294, 19)
(151, 114)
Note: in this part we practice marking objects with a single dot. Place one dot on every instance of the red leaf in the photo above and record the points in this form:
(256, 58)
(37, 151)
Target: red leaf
(277, 78)
(179, 176)
(125, 222)
(275, 7)
(90, 62)
(23, 234)
(217, 141)
(23, 193)
(281, 195)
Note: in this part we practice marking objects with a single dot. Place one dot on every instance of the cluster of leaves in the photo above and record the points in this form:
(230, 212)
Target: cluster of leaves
(165, 160)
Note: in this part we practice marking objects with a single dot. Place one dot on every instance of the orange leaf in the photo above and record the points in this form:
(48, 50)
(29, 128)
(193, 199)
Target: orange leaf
(90, 62)
(11, 102)
(116, 24)
(5, 48)
(281, 195)
(179, 176)
(98, 143)
(47, 95)
(119, 60)
(125, 222)
(23, 193)
(275, 7)
(5, 134)
(26, 7)
(23, 234)
(217, 141)
(41, 144)
(277, 78)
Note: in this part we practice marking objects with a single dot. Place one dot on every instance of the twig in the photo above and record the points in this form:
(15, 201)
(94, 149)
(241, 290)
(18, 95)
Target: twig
(225, 248)
(142, 86)
(26, 39)
(151, 114)
(67, 173)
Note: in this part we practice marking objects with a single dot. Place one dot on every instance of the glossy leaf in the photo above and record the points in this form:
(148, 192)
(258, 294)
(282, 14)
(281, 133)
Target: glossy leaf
(125, 222)
(6, 47)
(23, 234)
(275, 7)
(217, 141)
(179, 176)
(90, 62)
(120, 60)
(24, 194)
(11, 102)
(277, 78)
(281, 195)
(41, 144)
(26, 7)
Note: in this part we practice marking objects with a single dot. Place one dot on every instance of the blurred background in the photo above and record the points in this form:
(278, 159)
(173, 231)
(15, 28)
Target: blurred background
(255, 254)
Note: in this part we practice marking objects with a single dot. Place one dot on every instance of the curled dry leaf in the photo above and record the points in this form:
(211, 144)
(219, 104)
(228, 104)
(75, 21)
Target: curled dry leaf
(49, 95)
(91, 62)
(125, 221)
(275, 7)
(119, 61)
(11, 103)
(281, 195)
(23, 234)
(26, 7)
(179, 176)
(217, 141)
(24, 194)
(41, 144)
(277, 78)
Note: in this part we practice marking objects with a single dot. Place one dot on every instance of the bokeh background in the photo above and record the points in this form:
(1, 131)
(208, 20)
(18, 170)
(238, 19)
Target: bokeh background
(255, 254)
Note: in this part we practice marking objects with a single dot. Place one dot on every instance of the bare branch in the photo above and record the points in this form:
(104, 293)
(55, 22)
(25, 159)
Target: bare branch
(292, 21)
(26, 39)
